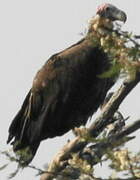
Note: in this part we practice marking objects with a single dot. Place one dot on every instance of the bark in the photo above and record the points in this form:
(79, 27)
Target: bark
(60, 161)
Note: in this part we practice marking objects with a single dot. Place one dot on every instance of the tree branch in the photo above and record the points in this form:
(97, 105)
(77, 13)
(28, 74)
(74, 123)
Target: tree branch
(99, 149)
(60, 160)
(112, 106)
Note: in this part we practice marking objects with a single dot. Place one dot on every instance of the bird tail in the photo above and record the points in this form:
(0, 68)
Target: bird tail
(20, 130)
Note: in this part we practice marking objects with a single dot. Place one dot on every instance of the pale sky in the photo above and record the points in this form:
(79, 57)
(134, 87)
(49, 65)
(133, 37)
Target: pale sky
(30, 32)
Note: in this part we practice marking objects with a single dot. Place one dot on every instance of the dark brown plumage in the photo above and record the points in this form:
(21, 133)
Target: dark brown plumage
(67, 90)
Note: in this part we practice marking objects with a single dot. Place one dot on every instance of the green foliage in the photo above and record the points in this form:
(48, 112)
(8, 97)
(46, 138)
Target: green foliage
(124, 161)
(11, 159)
(123, 50)
(114, 71)
(81, 164)
(4, 166)
(23, 156)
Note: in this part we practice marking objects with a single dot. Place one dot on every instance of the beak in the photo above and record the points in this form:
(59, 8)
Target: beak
(121, 16)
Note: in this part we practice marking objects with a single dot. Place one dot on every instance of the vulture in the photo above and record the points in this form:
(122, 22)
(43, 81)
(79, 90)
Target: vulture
(67, 90)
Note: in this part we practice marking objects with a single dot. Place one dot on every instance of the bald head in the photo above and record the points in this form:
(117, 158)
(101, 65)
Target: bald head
(106, 14)
(111, 12)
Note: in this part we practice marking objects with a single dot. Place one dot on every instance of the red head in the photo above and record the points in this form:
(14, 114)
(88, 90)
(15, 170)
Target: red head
(111, 12)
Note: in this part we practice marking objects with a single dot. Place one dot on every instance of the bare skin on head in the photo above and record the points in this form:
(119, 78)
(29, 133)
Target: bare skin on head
(105, 16)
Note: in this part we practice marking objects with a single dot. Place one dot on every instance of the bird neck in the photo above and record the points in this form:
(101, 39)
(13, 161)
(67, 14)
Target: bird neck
(100, 25)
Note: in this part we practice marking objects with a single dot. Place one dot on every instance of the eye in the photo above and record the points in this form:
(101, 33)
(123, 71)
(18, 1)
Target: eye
(108, 8)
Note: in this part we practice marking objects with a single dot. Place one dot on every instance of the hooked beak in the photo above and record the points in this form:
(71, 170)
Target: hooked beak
(120, 16)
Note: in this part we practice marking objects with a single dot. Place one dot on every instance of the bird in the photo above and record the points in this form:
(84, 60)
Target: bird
(67, 90)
